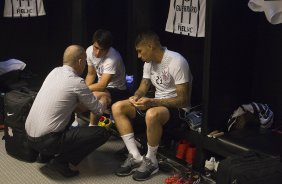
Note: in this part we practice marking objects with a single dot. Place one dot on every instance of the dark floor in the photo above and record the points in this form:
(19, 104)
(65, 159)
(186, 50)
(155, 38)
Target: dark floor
(98, 167)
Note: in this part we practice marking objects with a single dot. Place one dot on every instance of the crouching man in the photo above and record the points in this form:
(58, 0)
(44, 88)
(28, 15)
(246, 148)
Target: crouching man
(47, 124)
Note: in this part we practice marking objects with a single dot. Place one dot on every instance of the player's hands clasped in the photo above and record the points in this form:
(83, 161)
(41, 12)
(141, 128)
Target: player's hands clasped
(142, 103)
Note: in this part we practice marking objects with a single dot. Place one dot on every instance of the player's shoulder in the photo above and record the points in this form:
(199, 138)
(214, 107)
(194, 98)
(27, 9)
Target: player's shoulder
(177, 61)
(113, 52)
(175, 56)
(113, 56)
(89, 49)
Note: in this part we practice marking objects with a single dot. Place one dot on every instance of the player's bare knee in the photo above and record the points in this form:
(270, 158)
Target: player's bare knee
(152, 115)
(118, 107)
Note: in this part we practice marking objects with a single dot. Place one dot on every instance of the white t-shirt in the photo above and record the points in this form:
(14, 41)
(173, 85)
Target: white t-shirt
(111, 63)
(24, 8)
(272, 9)
(173, 69)
(187, 17)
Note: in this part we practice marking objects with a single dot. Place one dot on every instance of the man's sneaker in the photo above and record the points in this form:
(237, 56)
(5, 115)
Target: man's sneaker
(41, 158)
(210, 167)
(128, 167)
(145, 171)
(62, 168)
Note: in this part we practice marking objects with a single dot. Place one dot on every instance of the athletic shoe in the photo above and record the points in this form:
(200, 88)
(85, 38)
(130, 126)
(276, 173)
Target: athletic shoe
(128, 167)
(211, 168)
(209, 164)
(145, 171)
(44, 158)
(62, 168)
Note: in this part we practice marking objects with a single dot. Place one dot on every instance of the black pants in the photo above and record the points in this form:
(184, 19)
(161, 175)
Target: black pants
(118, 95)
(71, 145)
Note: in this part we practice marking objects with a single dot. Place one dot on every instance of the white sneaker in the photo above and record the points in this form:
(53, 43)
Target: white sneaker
(74, 124)
(210, 164)
(92, 125)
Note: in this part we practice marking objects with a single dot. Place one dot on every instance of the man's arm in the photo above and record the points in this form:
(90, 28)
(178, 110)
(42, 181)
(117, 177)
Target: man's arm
(141, 91)
(180, 101)
(143, 88)
(102, 83)
(91, 75)
(89, 101)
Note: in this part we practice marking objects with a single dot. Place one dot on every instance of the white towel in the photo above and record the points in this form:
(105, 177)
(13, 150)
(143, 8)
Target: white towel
(11, 65)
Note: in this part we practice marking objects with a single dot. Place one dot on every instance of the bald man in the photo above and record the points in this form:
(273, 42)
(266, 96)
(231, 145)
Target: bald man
(47, 124)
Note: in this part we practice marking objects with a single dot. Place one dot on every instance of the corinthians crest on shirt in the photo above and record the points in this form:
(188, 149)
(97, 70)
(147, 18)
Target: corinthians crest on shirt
(100, 70)
(163, 78)
(165, 75)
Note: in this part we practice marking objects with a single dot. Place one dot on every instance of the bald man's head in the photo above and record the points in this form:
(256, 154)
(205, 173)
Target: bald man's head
(73, 53)
(75, 57)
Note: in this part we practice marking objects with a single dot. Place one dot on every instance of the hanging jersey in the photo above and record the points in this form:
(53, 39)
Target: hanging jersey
(272, 9)
(187, 17)
(24, 8)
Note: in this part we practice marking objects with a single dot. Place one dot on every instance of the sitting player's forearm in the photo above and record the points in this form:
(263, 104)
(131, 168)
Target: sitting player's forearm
(96, 87)
(139, 93)
(143, 88)
(89, 80)
(175, 102)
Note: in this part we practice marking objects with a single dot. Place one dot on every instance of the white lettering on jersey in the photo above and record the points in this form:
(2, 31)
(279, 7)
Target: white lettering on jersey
(187, 17)
(23, 8)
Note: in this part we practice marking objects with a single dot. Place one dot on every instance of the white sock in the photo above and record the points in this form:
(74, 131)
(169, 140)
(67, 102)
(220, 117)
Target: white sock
(130, 144)
(75, 122)
(152, 154)
(91, 124)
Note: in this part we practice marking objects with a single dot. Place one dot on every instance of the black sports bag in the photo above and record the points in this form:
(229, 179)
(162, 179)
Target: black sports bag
(249, 168)
(17, 104)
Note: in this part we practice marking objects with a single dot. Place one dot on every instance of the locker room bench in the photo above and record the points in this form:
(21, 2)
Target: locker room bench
(263, 141)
